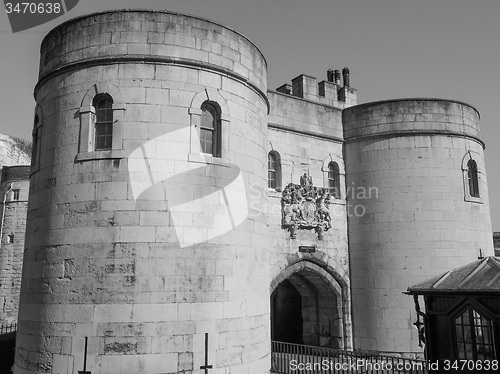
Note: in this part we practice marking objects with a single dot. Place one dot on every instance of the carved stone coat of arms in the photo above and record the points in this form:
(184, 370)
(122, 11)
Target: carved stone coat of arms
(305, 206)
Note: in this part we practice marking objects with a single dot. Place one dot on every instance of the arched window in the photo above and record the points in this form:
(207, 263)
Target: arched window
(474, 336)
(102, 114)
(103, 105)
(210, 129)
(334, 179)
(472, 178)
(274, 171)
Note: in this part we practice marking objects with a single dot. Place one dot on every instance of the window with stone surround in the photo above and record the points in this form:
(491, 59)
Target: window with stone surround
(334, 179)
(101, 123)
(274, 171)
(10, 238)
(15, 194)
(210, 131)
(471, 176)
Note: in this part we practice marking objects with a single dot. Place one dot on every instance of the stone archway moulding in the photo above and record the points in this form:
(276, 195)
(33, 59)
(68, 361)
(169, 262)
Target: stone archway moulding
(308, 265)
(337, 285)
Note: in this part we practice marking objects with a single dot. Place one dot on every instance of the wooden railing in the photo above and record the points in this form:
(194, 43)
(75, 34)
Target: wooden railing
(290, 358)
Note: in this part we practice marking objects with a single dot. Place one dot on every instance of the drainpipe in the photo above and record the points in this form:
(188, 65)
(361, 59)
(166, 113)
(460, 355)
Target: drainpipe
(3, 213)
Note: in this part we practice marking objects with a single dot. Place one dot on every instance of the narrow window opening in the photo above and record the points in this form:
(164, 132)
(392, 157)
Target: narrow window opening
(473, 178)
(210, 129)
(334, 180)
(34, 151)
(10, 238)
(272, 170)
(103, 122)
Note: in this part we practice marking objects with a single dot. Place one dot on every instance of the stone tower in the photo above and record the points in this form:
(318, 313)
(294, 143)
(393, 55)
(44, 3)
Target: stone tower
(415, 171)
(15, 157)
(144, 253)
(14, 186)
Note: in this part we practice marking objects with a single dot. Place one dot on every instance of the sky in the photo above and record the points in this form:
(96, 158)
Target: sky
(394, 49)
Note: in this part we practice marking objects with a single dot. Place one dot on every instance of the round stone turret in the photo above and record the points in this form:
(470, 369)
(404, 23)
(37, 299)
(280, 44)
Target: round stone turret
(415, 173)
(145, 252)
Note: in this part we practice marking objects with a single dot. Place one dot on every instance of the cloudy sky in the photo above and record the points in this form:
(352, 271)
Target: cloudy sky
(393, 48)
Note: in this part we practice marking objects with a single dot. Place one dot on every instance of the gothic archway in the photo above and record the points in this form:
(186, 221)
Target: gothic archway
(307, 307)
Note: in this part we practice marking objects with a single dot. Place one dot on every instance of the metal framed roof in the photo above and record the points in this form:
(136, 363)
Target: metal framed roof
(479, 276)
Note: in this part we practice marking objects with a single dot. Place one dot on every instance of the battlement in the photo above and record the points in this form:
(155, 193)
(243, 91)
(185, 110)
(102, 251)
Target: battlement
(331, 92)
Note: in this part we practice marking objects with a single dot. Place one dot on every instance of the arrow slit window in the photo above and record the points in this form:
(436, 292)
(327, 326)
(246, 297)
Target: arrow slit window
(334, 179)
(472, 178)
(274, 171)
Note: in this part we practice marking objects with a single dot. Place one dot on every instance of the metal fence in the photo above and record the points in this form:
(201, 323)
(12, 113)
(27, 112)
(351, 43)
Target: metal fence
(6, 328)
(290, 358)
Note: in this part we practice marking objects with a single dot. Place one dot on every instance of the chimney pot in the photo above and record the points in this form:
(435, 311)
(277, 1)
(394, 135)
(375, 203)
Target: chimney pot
(337, 77)
(329, 75)
(345, 76)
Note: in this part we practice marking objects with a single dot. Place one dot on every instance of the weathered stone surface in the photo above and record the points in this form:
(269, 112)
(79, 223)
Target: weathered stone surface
(419, 223)
(148, 246)
(14, 188)
(124, 244)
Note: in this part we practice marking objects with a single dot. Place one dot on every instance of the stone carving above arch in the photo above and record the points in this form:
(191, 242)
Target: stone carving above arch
(305, 207)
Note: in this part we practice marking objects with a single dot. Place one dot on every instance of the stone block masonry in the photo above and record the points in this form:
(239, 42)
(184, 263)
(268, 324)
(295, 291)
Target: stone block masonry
(14, 189)
(138, 247)
(423, 223)
(158, 230)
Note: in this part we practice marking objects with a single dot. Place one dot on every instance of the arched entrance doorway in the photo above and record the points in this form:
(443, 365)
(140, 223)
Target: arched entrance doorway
(306, 307)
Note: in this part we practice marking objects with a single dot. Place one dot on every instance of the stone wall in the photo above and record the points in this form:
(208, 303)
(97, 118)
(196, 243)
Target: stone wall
(13, 206)
(143, 248)
(14, 151)
(146, 247)
(407, 160)
(307, 135)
